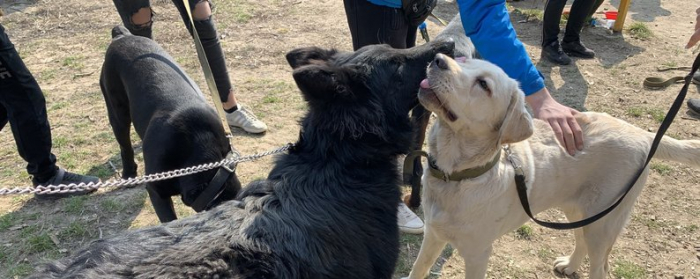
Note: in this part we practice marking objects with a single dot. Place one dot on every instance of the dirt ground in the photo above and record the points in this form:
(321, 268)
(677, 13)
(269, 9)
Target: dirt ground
(63, 43)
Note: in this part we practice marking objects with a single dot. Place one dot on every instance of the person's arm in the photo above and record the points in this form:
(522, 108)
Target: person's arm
(487, 24)
(696, 36)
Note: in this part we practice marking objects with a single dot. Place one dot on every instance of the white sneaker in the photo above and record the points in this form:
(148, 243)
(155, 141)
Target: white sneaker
(246, 120)
(408, 221)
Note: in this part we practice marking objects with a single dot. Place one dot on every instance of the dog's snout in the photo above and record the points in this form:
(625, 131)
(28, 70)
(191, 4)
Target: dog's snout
(440, 62)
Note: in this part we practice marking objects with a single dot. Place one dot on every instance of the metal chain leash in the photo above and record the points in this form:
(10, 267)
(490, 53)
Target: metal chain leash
(70, 188)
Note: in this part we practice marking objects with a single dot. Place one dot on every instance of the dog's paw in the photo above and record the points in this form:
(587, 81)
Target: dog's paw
(561, 265)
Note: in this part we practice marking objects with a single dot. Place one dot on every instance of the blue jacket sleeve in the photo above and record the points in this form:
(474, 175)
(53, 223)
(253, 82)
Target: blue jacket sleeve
(488, 25)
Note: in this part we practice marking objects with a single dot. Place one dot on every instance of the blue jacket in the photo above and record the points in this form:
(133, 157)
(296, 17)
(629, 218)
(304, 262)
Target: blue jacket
(388, 3)
(488, 25)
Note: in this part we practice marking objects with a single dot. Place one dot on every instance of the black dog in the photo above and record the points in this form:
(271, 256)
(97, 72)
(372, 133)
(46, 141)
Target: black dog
(327, 208)
(141, 83)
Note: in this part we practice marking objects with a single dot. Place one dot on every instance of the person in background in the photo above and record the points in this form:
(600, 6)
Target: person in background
(22, 104)
(383, 22)
(571, 44)
(693, 103)
(137, 16)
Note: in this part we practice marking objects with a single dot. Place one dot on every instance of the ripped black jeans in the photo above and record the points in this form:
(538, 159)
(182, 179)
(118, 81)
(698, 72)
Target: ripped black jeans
(205, 28)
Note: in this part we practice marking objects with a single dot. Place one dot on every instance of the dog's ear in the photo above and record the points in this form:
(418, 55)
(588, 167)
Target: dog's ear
(309, 55)
(517, 125)
(324, 82)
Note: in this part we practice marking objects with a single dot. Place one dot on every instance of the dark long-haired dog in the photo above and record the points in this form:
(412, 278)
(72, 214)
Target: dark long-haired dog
(143, 85)
(327, 208)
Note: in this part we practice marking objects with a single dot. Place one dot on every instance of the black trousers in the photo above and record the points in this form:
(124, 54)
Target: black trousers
(552, 16)
(22, 104)
(373, 24)
(205, 28)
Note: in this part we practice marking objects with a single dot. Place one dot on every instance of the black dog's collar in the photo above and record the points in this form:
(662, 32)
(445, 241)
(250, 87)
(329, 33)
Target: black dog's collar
(215, 187)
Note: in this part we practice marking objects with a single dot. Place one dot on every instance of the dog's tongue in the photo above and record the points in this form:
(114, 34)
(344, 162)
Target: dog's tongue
(425, 84)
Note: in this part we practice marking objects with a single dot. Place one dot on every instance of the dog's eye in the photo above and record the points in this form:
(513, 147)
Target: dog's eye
(483, 84)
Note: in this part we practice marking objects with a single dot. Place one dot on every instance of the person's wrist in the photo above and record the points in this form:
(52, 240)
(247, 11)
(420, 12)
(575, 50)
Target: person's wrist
(537, 99)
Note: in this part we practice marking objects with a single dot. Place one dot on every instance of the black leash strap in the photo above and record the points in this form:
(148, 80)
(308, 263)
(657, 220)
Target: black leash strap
(675, 107)
(216, 186)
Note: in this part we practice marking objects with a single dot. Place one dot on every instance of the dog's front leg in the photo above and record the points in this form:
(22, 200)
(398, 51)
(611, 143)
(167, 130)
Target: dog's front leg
(420, 117)
(476, 259)
(429, 251)
(162, 205)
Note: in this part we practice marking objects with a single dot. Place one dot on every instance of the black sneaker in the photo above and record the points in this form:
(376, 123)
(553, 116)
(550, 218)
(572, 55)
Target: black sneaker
(553, 53)
(577, 49)
(694, 105)
(64, 177)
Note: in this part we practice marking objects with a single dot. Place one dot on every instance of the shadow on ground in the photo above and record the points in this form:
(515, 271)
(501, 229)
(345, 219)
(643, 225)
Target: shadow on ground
(13, 6)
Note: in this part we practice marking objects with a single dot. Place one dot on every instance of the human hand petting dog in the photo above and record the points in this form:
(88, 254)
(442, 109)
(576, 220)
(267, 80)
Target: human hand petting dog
(696, 36)
(560, 117)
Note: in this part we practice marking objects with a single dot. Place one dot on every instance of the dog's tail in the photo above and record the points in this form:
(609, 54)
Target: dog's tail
(463, 45)
(119, 31)
(682, 151)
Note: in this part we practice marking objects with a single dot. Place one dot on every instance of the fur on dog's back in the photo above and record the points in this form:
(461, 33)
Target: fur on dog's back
(131, 57)
(600, 127)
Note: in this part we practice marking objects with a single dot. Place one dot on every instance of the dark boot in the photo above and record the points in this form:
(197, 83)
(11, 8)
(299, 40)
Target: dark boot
(577, 49)
(64, 177)
(553, 53)
(694, 105)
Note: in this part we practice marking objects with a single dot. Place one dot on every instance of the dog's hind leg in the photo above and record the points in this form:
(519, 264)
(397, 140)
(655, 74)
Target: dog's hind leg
(430, 249)
(120, 120)
(601, 235)
(600, 239)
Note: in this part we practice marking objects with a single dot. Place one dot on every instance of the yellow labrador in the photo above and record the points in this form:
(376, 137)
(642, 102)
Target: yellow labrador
(481, 109)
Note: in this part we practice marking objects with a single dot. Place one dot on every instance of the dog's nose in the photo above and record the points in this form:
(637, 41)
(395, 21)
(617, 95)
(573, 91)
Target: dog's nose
(440, 62)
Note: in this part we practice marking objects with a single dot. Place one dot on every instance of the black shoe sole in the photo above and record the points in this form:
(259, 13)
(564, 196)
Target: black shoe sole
(562, 63)
(579, 55)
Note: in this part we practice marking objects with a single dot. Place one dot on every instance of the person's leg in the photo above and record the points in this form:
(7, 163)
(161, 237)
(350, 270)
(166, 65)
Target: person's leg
(551, 50)
(571, 43)
(137, 16)
(237, 115)
(374, 24)
(411, 33)
(206, 29)
(3, 116)
(24, 107)
(553, 10)
(594, 8)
